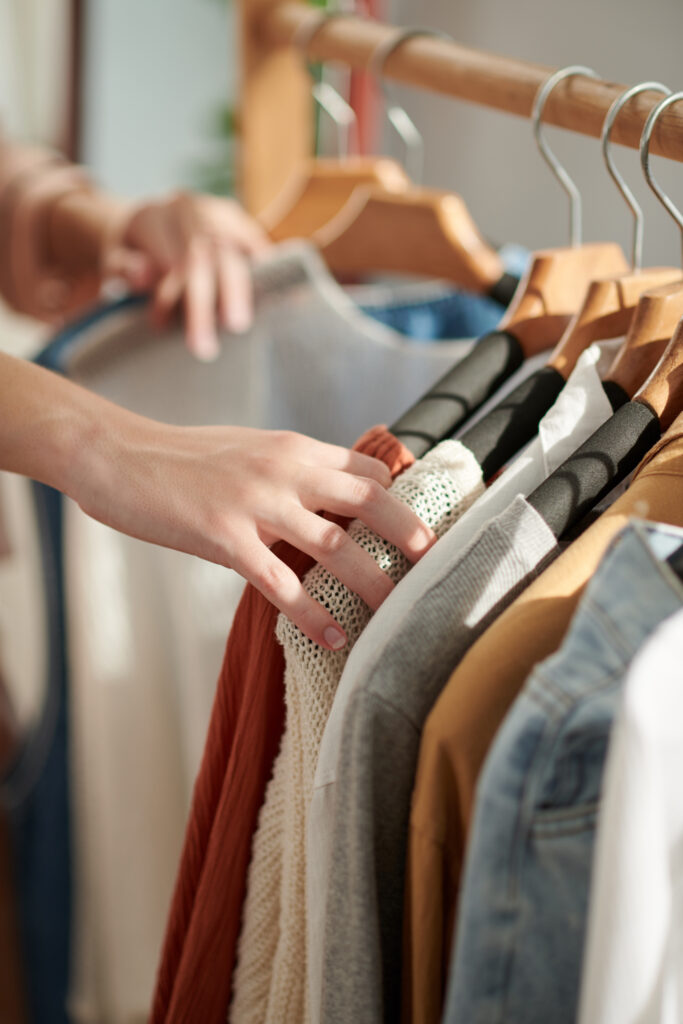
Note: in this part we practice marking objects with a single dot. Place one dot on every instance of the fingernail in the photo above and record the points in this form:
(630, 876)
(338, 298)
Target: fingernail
(334, 638)
(428, 542)
(423, 545)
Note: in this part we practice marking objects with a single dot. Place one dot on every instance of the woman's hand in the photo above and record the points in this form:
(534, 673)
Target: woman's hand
(66, 235)
(227, 493)
(190, 249)
(222, 493)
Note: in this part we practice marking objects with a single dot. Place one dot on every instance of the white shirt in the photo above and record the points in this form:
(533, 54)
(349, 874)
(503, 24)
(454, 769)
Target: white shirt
(581, 407)
(633, 962)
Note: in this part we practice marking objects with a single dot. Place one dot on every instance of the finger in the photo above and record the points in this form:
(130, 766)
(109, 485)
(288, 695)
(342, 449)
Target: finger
(331, 456)
(281, 587)
(364, 499)
(167, 296)
(235, 296)
(200, 303)
(332, 547)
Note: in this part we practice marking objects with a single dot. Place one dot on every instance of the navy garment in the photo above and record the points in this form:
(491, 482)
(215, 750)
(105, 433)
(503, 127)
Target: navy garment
(40, 820)
(453, 313)
(457, 314)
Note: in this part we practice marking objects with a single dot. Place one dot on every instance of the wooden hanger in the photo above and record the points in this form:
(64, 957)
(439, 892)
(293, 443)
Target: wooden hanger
(656, 318)
(546, 301)
(322, 188)
(554, 287)
(547, 298)
(660, 311)
(421, 231)
(610, 305)
(608, 311)
(615, 449)
(514, 421)
(663, 389)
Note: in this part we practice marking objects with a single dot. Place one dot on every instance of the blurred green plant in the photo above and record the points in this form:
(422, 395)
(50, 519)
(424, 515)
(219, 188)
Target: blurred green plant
(216, 173)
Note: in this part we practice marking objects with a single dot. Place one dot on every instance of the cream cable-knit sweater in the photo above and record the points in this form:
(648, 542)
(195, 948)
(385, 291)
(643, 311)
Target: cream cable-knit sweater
(270, 985)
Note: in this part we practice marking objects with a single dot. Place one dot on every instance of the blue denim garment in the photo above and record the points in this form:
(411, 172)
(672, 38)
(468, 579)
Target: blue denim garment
(521, 927)
(453, 314)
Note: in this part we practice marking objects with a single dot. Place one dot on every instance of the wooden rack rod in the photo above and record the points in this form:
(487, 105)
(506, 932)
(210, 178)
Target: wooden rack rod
(579, 104)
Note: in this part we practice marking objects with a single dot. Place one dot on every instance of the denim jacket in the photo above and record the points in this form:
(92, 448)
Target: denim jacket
(522, 918)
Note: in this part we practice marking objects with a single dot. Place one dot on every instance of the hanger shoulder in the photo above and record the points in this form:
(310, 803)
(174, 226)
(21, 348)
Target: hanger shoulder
(606, 312)
(421, 231)
(656, 318)
(663, 390)
(320, 190)
(553, 288)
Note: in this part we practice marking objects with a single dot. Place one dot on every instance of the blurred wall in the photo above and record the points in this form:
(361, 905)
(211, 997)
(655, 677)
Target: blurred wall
(490, 158)
(155, 71)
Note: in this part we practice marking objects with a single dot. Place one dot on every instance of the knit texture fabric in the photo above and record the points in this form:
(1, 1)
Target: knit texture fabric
(247, 720)
(270, 977)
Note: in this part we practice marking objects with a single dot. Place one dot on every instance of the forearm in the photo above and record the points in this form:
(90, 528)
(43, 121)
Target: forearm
(48, 425)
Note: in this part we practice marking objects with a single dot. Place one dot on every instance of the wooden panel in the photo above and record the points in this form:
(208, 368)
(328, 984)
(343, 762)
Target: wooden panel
(275, 110)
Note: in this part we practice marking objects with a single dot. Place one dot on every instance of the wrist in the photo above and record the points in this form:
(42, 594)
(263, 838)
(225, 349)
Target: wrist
(67, 440)
(92, 444)
(113, 455)
(82, 227)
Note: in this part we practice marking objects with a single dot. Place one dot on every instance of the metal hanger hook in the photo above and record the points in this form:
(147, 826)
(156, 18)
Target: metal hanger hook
(555, 166)
(326, 96)
(645, 138)
(606, 142)
(398, 116)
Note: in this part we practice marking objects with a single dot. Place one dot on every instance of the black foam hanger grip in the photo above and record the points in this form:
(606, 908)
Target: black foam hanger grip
(514, 421)
(675, 561)
(504, 289)
(602, 462)
(504, 431)
(459, 393)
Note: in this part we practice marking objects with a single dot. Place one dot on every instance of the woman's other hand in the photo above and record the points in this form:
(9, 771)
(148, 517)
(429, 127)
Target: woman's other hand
(191, 250)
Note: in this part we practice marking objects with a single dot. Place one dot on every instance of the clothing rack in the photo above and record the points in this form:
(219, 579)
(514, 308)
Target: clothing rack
(276, 121)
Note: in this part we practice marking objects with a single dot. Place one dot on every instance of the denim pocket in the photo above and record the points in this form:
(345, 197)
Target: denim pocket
(574, 775)
(562, 821)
